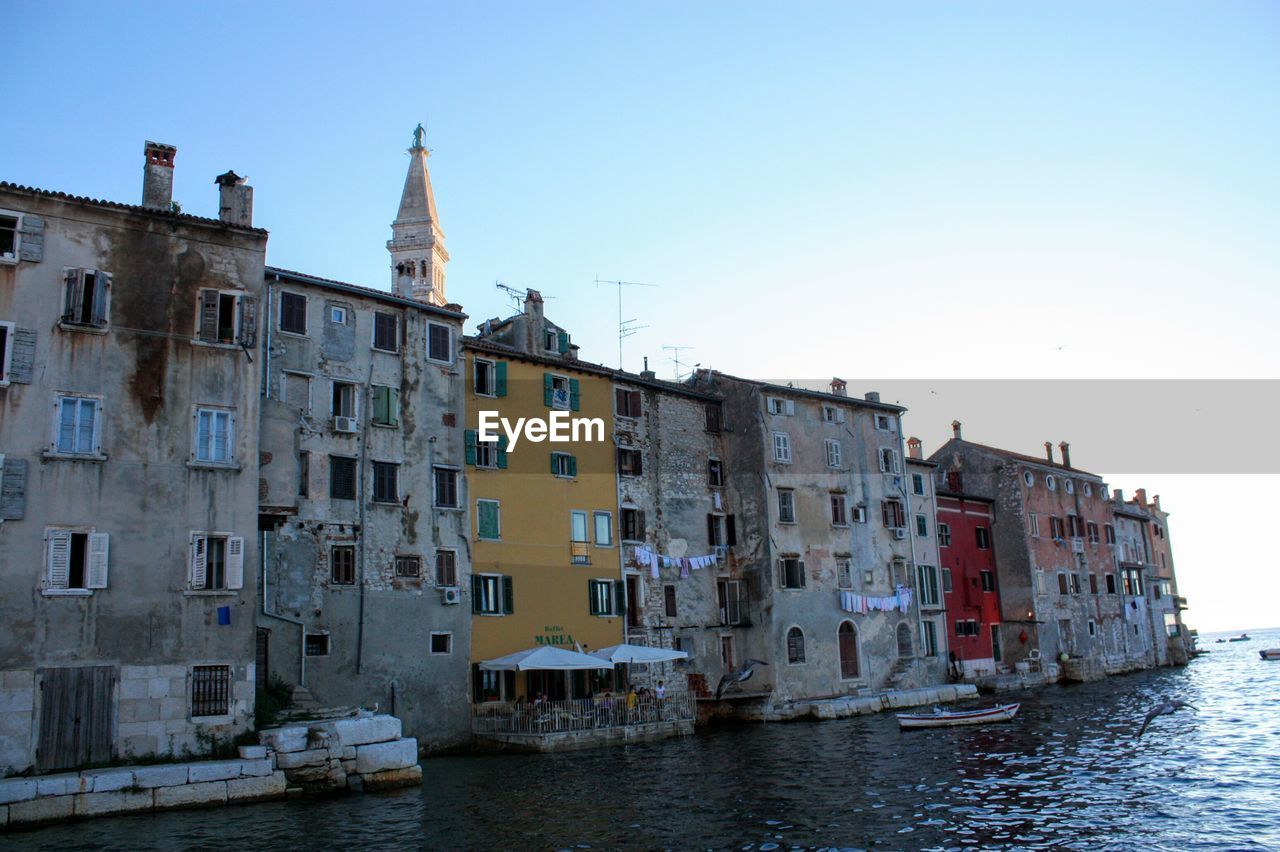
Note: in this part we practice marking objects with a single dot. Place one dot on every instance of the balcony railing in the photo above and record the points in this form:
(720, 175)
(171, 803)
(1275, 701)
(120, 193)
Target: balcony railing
(579, 553)
(582, 714)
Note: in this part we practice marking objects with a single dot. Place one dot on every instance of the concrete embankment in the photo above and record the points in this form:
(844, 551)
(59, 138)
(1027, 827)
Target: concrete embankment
(846, 706)
(328, 756)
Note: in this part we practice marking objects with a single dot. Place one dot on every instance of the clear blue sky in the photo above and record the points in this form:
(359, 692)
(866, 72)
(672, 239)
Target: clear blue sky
(878, 191)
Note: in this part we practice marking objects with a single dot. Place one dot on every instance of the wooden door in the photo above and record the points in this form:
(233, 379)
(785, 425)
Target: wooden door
(77, 716)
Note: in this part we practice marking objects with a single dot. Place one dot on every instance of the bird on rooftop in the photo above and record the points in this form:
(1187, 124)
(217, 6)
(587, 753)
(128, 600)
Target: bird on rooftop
(1163, 709)
(734, 679)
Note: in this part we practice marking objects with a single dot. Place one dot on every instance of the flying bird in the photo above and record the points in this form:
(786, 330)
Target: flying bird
(1163, 709)
(733, 679)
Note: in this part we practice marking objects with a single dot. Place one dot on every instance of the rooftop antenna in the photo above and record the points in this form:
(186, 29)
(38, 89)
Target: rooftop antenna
(516, 295)
(675, 358)
(626, 328)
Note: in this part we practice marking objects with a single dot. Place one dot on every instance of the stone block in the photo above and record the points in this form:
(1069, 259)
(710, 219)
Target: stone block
(19, 679)
(118, 802)
(48, 809)
(16, 725)
(177, 686)
(408, 777)
(139, 710)
(171, 775)
(256, 752)
(107, 780)
(17, 790)
(131, 729)
(318, 776)
(158, 687)
(139, 745)
(256, 768)
(347, 753)
(375, 729)
(192, 795)
(63, 785)
(215, 770)
(299, 759)
(377, 757)
(134, 689)
(16, 700)
(176, 726)
(172, 671)
(243, 690)
(266, 787)
(285, 740)
(173, 709)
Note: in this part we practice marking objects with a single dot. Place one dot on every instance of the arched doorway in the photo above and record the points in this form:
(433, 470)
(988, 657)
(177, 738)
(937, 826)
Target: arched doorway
(905, 648)
(795, 645)
(848, 642)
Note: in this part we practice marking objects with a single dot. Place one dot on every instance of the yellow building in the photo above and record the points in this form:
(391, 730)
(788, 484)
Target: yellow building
(545, 559)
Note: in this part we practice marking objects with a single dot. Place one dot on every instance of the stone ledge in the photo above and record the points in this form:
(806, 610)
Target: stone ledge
(391, 778)
(192, 795)
(17, 790)
(120, 802)
(48, 809)
(271, 786)
(377, 757)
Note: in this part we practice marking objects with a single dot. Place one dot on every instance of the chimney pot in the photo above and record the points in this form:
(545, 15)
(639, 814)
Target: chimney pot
(1140, 494)
(1066, 453)
(839, 387)
(955, 430)
(872, 396)
(915, 448)
(1048, 451)
(1119, 495)
(157, 175)
(235, 200)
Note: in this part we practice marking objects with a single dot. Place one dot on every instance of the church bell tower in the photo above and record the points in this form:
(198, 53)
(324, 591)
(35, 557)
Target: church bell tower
(418, 255)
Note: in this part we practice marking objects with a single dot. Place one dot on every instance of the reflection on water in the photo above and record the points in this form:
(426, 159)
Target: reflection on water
(1068, 771)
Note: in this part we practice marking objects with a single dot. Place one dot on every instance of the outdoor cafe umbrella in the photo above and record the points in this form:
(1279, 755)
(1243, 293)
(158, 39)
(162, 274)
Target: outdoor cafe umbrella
(633, 654)
(544, 658)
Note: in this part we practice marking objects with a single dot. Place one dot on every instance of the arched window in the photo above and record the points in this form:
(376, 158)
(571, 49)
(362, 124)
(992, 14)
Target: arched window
(848, 641)
(795, 645)
(904, 640)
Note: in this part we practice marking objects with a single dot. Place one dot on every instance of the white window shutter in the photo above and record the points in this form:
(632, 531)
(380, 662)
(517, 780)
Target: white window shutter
(199, 559)
(791, 407)
(235, 562)
(839, 415)
(99, 548)
(59, 558)
(97, 428)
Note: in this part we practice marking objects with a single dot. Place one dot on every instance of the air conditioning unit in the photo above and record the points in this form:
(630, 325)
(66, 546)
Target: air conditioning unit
(899, 533)
(344, 424)
(451, 595)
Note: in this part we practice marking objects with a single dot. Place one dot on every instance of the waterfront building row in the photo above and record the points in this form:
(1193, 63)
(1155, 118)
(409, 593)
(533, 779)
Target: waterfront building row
(217, 471)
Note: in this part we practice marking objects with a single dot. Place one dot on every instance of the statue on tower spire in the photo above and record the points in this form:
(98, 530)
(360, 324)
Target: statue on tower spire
(418, 133)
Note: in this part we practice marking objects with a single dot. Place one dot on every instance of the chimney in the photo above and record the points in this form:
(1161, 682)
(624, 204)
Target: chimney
(872, 396)
(1119, 495)
(235, 200)
(1140, 495)
(914, 448)
(646, 373)
(955, 430)
(839, 387)
(1048, 451)
(404, 281)
(1155, 501)
(157, 176)
(533, 306)
(1066, 453)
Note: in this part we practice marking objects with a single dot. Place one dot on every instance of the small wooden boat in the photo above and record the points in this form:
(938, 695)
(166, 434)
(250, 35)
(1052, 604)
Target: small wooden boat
(1270, 654)
(940, 718)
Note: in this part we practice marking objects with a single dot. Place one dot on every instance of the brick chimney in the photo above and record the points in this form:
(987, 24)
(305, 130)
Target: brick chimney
(1048, 451)
(1066, 453)
(1140, 495)
(915, 448)
(235, 200)
(955, 430)
(157, 175)
(872, 396)
(1119, 495)
(839, 387)
(1155, 501)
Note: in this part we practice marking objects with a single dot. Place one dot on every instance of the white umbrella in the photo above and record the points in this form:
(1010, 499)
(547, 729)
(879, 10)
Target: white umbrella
(544, 658)
(638, 654)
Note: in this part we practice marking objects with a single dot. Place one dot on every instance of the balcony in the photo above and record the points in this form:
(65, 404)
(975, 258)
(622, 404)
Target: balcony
(1179, 602)
(579, 553)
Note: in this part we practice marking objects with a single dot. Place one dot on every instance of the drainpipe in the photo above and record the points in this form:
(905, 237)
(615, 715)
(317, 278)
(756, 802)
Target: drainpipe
(302, 628)
(364, 444)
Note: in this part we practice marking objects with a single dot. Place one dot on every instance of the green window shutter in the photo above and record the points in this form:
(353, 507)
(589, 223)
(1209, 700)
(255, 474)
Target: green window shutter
(508, 596)
(592, 607)
(554, 466)
(573, 465)
(500, 379)
(575, 402)
(562, 340)
(477, 592)
(393, 406)
(502, 452)
(619, 597)
(381, 407)
(548, 389)
(488, 512)
(470, 436)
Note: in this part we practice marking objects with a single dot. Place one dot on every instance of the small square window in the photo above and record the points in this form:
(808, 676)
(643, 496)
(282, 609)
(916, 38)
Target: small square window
(317, 644)
(629, 463)
(337, 315)
(409, 566)
(210, 690)
(441, 643)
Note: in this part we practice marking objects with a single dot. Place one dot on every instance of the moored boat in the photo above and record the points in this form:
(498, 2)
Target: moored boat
(1270, 654)
(1243, 637)
(940, 718)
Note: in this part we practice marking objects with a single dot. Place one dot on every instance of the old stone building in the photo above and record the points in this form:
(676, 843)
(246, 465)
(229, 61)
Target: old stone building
(925, 556)
(1062, 591)
(824, 536)
(362, 492)
(1167, 604)
(676, 504)
(970, 582)
(128, 432)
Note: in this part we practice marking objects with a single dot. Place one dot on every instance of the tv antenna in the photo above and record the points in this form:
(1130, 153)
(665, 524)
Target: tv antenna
(626, 328)
(675, 357)
(516, 295)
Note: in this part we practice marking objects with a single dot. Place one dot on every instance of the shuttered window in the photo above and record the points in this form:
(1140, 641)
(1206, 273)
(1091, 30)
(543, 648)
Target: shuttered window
(489, 520)
(386, 331)
(293, 313)
(791, 573)
(445, 487)
(669, 601)
(85, 297)
(227, 317)
(76, 559)
(446, 568)
(627, 402)
(342, 478)
(77, 426)
(216, 562)
(492, 594)
(439, 342)
(386, 487)
(6, 350)
(632, 525)
(342, 565)
(386, 405)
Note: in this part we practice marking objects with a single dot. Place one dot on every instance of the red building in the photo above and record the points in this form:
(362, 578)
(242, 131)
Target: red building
(970, 588)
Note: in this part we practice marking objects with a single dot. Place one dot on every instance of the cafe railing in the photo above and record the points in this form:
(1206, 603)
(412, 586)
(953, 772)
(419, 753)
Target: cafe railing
(582, 714)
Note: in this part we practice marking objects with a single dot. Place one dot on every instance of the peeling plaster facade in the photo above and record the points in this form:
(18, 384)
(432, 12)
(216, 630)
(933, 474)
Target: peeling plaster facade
(126, 439)
(931, 600)
(804, 595)
(364, 567)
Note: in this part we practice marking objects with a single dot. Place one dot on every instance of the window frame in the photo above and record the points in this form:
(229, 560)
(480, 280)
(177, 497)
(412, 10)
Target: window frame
(12, 257)
(432, 325)
(944, 534)
(498, 518)
(452, 560)
(6, 352)
(214, 411)
(280, 315)
(835, 453)
(929, 585)
(782, 448)
(451, 474)
(334, 481)
(49, 586)
(492, 366)
(348, 552)
(380, 467)
(838, 502)
(447, 635)
(634, 465)
(715, 472)
(237, 321)
(395, 332)
(100, 321)
(786, 508)
(228, 550)
(633, 405)
(885, 455)
(596, 517)
(95, 451)
(216, 710)
(795, 649)
(407, 559)
(982, 537)
(786, 566)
